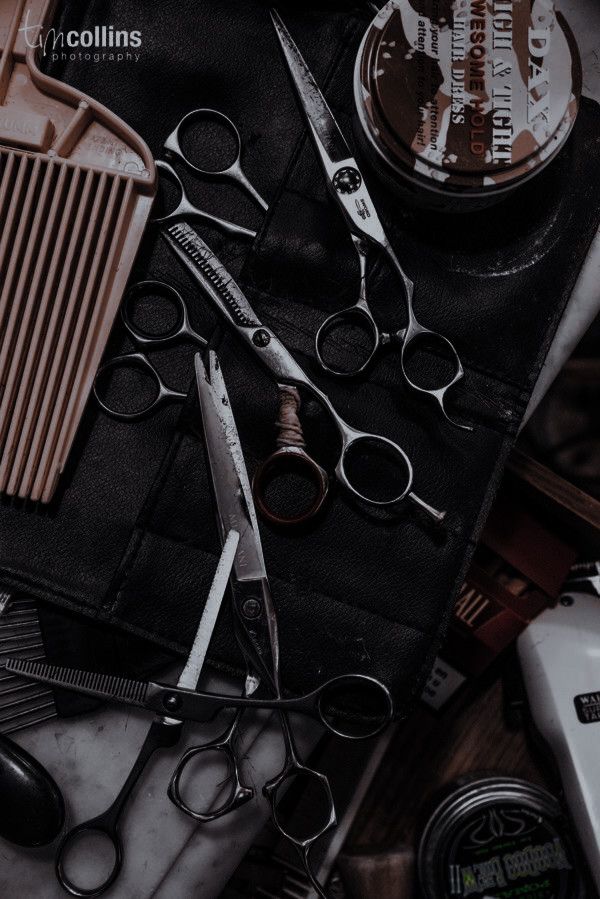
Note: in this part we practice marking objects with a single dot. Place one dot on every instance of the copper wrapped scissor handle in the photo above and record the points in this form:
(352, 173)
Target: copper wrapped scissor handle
(290, 457)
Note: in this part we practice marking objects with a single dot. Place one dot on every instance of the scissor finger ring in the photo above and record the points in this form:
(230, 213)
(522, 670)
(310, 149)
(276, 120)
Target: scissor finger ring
(290, 458)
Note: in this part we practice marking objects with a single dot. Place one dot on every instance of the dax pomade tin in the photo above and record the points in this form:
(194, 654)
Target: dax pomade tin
(498, 837)
(460, 101)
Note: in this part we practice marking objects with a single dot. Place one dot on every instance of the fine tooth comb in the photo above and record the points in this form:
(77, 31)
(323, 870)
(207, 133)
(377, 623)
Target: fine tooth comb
(76, 188)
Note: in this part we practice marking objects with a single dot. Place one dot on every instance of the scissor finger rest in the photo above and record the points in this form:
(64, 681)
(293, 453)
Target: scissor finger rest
(162, 393)
(183, 208)
(181, 205)
(375, 469)
(418, 340)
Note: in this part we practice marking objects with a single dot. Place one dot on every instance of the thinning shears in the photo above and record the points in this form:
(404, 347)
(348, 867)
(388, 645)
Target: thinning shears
(346, 184)
(359, 449)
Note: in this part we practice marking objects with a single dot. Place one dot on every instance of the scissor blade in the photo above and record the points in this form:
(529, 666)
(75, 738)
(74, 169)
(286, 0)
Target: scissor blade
(101, 686)
(198, 258)
(231, 484)
(320, 118)
(235, 505)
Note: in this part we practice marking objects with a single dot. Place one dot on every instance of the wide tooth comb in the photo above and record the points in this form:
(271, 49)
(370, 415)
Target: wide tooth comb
(76, 188)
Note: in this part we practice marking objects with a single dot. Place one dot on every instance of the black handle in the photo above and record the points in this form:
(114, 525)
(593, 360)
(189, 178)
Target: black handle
(160, 736)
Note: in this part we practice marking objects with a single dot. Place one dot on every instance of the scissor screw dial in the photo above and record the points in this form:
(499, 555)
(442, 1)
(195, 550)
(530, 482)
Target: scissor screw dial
(261, 338)
(251, 609)
(347, 180)
(171, 702)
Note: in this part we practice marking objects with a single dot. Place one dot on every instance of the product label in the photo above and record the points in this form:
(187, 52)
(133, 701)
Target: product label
(508, 852)
(470, 87)
(588, 708)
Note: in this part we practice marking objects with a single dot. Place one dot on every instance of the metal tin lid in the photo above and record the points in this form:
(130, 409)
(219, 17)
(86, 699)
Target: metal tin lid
(498, 837)
(469, 94)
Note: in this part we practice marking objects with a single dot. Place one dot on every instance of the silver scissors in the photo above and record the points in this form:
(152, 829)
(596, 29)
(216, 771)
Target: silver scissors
(184, 208)
(337, 704)
(357, 447)
(180, 330)
(256, 629)
(346, 184)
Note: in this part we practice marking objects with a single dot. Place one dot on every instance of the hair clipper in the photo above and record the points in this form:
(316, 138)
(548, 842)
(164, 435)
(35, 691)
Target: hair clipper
(560, 660)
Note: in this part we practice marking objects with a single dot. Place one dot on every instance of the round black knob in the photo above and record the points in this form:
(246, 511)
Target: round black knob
(261, 338)
(251, 609)
(172, 702)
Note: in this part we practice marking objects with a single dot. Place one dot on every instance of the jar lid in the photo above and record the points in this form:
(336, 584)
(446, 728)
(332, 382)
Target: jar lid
(470, 93)
(498, 836)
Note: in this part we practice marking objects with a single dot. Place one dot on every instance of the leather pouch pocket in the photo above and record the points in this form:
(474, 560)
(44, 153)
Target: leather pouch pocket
(131, 538)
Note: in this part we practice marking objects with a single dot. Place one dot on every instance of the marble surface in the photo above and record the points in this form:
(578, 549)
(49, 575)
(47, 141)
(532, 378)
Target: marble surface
(167, 856)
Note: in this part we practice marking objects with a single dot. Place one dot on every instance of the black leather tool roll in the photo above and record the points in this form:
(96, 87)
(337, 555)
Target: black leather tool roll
(130, 539)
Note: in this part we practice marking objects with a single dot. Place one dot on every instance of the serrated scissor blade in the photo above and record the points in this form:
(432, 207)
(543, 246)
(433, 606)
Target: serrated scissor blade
(101, 686)
(232, 489)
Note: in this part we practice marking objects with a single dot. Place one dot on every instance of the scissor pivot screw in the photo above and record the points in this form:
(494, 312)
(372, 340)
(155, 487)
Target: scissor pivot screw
(171, 702)
(347, 180)
(251, 608)
(261, 338)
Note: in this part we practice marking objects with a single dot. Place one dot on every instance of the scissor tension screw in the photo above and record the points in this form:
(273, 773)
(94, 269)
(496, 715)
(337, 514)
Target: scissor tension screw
(347, 180)
(251, 608)
(261, 338)
(171, 702)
